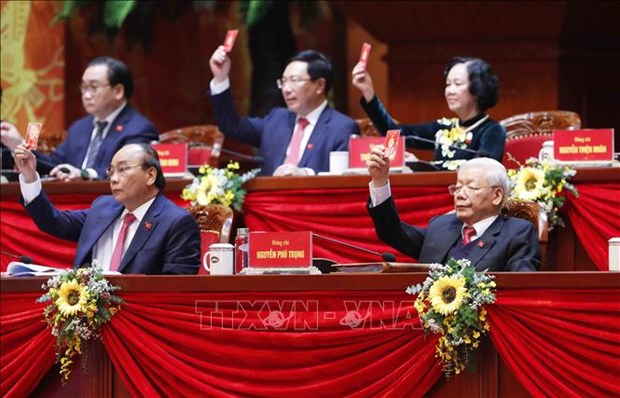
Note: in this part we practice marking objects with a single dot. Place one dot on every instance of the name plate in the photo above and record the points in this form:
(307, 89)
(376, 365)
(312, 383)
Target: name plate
(173, 159)
(280, 249)
(359, 151)
(583, 145)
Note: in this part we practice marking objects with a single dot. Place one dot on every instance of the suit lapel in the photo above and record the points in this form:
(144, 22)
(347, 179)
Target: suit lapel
(317, 139)
(483, 244)
(452, 236)
(145, 229)
(114, 133)
(94, 233)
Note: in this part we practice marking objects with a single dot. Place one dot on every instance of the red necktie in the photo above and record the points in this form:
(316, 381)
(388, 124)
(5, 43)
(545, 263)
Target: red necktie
(117, 254)
(298, 135)
(468, 233)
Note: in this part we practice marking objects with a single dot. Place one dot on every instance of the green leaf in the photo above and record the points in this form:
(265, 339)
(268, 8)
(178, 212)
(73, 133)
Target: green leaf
(115, 12)
(67, 10)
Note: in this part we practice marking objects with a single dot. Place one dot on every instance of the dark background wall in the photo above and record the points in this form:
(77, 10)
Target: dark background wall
(548, 55)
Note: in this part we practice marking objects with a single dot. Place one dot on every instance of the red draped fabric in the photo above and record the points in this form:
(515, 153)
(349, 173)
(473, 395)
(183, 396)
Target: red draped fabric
(336, 213)
(340, 214)
(26, 345)
(595, 216)
(557, 342)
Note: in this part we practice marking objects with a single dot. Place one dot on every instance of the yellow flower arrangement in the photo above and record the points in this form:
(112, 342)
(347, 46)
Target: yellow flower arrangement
(542, 182)
(218, 186)
(82, 301)
(450, 302)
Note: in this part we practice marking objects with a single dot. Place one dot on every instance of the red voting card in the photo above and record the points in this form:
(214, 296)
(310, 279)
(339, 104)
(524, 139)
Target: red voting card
(365, 53)
(32, 135)
(229, 42)
(391, 143)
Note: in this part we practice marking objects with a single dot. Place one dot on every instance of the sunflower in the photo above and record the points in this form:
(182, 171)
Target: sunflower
(529, 183)
(446, 294)
(71, 297)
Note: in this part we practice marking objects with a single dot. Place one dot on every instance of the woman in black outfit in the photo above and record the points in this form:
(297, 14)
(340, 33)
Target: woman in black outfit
(471, 88)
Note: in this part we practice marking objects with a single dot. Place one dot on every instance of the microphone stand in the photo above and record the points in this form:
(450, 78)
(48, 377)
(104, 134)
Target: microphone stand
(387, 257)
(426, 140)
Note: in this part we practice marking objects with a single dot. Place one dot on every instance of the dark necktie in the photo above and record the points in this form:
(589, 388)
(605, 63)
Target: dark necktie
(468, 233)
(95, 144)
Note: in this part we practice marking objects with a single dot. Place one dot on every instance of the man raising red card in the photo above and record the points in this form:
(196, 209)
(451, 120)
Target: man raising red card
(295, 140)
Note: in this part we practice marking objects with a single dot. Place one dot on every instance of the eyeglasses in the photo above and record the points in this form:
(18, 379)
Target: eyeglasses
(91, 88)
(469, 190)
(294, 81)
(121, 171)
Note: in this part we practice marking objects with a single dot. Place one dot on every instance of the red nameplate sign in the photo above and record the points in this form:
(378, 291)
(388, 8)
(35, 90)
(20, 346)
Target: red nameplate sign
(583, 145)
(280, 249)
(359, 150)
(173, 159)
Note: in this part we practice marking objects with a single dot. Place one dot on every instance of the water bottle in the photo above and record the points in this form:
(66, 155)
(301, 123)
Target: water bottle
(242, 249)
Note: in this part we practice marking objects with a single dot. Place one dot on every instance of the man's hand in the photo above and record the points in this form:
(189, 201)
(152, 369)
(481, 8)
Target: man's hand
(378, 166)
(10, 136)
(363, 81)
(220, 64)
(66, 172)
(288, 169)
(26, 163)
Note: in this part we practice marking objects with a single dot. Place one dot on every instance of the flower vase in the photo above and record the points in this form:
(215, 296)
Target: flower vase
(215, 220)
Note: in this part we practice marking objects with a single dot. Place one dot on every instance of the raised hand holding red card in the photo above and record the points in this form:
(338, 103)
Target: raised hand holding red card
(391, 143)
(32, 135)
(229, 42)
(365, 53)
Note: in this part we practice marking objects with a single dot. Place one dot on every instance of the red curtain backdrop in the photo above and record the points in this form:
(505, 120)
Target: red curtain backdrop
(339, 214)
(595, 216)
(556, 342)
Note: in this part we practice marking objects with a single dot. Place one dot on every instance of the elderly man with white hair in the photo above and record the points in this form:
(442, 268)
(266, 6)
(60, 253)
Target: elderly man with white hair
(476, 230)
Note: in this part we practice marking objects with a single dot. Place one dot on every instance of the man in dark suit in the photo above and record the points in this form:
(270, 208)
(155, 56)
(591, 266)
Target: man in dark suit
(86, 152)
(293, 141)
(136, 230)
(475, 231)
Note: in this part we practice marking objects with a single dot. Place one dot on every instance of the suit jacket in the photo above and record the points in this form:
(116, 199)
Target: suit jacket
(272, 133)
(128, 127)
(488, 138)
(166, 242)
(509, 244)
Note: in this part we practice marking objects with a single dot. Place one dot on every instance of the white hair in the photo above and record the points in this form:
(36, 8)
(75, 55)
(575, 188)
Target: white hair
(496, 173)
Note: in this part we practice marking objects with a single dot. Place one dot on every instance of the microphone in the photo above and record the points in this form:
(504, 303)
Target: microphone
(23, 259)
(479, 154)
(387, 257)
(217, 148)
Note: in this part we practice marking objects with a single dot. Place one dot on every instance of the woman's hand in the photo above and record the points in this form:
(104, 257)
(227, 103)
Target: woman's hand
(363, 81)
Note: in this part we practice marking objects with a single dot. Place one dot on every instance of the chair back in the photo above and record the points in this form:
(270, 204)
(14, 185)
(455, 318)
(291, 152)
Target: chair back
(367, 129)
(525, 133)
(534, 213)
(204, 143)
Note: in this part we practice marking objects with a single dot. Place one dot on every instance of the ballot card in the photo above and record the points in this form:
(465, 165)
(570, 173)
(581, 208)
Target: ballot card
(32, 135)
(229, 42)
(391, 143)
(365, 53)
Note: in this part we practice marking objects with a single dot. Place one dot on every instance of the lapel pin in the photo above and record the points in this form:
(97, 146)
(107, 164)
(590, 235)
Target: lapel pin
(310, 146)
(148, 225)
(119, 128)
(481, 244)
